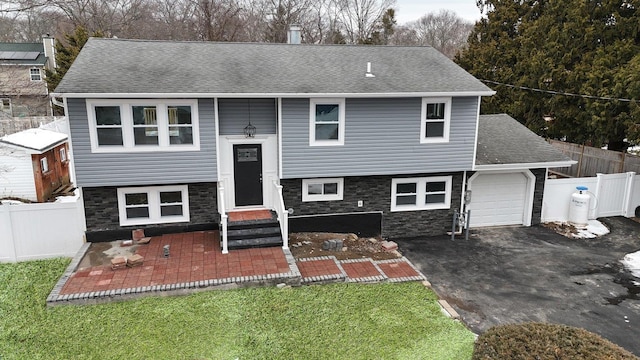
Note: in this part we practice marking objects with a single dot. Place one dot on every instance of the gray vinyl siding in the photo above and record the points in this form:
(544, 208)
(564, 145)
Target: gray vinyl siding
(148, 168)
(382, 137)
(233, 115)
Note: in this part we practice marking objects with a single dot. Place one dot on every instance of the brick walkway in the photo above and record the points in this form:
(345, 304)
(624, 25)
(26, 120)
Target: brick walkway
(328, 268)
(196, 261)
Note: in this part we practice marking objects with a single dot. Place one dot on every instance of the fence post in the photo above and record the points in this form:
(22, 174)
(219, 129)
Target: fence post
(5, 218)
(631, 176)
(580, 161)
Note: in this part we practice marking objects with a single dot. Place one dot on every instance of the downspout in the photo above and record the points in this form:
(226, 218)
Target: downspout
(462, 193)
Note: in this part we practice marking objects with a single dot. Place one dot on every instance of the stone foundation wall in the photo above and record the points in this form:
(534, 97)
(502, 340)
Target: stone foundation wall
(375, 192)
(101, 207)
(538, 194)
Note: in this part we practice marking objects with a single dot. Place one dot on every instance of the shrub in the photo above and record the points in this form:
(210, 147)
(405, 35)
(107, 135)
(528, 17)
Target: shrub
(545, 342)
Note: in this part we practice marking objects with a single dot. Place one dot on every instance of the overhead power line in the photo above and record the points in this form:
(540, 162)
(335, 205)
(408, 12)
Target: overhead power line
(560, 92)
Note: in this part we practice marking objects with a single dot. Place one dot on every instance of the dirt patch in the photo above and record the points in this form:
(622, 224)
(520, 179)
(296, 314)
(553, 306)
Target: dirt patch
(101, 254)
(564, 229)
(304, 245)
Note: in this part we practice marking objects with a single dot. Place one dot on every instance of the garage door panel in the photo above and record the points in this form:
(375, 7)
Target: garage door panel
(498, 199)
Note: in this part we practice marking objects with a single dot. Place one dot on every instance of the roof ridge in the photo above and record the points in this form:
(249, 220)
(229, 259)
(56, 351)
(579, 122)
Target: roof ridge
(254, 43)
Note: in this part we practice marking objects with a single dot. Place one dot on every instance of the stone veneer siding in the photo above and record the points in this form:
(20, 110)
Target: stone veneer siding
(375, 192)
(101, 207)
(538, 194)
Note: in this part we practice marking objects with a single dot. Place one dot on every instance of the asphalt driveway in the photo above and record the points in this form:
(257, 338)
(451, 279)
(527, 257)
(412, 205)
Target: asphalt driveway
(518, 274)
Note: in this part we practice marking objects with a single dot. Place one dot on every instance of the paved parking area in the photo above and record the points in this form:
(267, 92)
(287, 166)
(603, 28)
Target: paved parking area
(518, 274)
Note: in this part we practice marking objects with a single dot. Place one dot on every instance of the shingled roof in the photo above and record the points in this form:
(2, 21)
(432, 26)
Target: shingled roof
(10, 54)
(117, 66)
(503, 142)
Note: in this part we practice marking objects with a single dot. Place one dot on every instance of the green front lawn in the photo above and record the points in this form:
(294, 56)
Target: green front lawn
(341, 321)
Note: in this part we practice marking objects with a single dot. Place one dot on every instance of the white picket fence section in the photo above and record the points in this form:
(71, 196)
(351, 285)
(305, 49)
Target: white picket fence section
(611, 195)
(40, 231)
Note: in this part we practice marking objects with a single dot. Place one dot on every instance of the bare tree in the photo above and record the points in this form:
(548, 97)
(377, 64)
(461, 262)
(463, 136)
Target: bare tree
(445, 31)
(360, 18)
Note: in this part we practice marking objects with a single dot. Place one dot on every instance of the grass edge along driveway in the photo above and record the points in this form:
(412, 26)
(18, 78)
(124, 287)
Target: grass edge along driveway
(339, 321)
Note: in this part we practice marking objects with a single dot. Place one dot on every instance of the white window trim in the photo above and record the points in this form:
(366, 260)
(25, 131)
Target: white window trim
(7, 109)
(421, 193)
(153, 196)
(306, 197)
(126, 120)
(423, 120)
(44, 165)
(39, 74)
(63, 155)
(312, 121)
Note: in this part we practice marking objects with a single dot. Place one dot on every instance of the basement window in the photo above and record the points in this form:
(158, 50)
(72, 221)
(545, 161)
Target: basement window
(153, 205)
(322, 189)
(427, 193)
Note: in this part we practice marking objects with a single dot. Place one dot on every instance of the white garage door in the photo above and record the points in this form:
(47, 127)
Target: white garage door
(498, 199)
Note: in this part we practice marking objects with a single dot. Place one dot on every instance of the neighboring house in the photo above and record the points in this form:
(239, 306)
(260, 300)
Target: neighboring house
(23, 90)
(33, 164)
(366, 139)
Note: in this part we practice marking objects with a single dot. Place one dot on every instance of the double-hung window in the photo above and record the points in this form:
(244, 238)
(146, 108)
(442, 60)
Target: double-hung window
(326, 127)
(35, 74)
(153, 205)
(428, 193)
(435, 120)
(143, 125)
(322, 189)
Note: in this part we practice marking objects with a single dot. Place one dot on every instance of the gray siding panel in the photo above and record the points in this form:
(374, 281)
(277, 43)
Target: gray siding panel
(149, 168)
(382, 137)
(233, 115)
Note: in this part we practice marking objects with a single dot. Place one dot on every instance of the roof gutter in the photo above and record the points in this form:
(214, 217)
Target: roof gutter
(524, 166)
(267, 95)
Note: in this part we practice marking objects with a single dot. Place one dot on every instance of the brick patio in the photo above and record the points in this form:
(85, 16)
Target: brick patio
(196, 261)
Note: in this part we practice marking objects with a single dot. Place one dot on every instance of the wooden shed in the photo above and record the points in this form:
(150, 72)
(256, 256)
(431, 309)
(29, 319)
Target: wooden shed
(34, 164)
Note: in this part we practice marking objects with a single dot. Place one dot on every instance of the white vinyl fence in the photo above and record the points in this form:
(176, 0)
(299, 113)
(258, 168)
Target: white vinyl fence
(39, 231)
(611, 195)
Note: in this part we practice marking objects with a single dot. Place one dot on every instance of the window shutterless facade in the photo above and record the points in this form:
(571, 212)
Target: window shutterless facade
(153, 205)
(35, 74)
(430, 193)
(143, 125)
(326, 126)
(435, 120)
(44, 165)
(322, 189)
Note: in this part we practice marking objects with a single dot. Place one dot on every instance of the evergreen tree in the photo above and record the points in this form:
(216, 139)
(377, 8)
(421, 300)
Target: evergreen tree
(66, 54)
(568, 46)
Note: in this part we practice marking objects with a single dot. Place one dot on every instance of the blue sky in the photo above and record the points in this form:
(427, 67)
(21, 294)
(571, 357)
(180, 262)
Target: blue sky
(409, 10)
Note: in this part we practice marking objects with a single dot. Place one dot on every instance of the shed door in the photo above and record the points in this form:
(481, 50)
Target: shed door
(498, 199)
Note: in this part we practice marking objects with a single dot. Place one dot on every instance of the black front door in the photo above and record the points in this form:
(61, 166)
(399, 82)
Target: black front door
(247, 164)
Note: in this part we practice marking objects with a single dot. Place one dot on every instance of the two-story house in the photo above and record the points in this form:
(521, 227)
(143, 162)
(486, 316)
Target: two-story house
(367, 139)
(23, 90)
